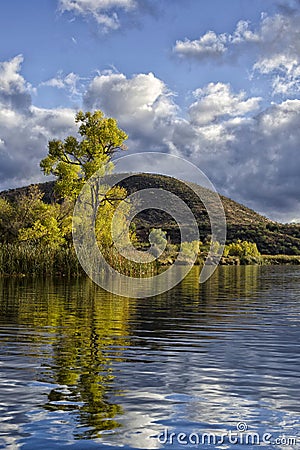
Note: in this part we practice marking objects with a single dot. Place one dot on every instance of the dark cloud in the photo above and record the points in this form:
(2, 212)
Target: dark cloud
(257, 160)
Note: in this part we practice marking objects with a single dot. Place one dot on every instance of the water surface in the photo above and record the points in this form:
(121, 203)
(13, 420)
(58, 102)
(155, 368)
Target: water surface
(81, 368)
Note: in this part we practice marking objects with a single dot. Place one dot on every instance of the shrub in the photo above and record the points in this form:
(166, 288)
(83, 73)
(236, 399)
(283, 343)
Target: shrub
(242, 249)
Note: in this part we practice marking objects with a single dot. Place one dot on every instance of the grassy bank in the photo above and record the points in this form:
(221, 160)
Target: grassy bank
(24, 259)
(281, 259)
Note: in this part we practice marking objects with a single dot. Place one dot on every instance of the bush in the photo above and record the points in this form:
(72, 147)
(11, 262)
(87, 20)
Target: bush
(242, 249)
(189, 250)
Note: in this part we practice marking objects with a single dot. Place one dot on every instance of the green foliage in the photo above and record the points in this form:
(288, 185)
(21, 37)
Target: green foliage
(214, 247)
(73, 161)
(242, 249)
(105, 215)
(5, 209)
(190, 250)
(242, 223)
(7, 216)
(28, 222)
(158, 238)
(30, 219)
(46, 231)
(158, 241)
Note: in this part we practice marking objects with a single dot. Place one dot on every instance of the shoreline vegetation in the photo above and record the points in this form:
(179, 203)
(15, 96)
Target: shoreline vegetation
(36, 229)
(24, 259)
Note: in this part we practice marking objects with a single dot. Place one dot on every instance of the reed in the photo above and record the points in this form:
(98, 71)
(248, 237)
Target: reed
(127, 266)
(39, 260)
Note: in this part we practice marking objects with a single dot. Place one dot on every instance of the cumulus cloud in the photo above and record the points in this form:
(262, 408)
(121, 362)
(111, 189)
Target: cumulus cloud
(252, 159)
(250, 152)
(216, 46)
(105, 12)
(14, 90)
(243, 34)
(208, 45)
(272, 165)
(217, 102)
(143, 105)
(280, 52)
(24, 142)
(276, 42)
(24, 129)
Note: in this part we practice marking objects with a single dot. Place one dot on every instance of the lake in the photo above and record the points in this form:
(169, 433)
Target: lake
(201, 366)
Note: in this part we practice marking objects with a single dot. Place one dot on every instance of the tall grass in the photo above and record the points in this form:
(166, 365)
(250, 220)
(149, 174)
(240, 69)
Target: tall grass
(128, 267)
(40, 260)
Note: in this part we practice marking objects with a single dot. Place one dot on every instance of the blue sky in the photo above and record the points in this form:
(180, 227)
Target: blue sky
(216, 82)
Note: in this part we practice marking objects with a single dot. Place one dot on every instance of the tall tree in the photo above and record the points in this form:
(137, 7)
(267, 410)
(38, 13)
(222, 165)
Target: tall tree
(74, 160)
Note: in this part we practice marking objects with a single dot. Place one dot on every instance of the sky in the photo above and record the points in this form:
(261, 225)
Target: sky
(215, 82)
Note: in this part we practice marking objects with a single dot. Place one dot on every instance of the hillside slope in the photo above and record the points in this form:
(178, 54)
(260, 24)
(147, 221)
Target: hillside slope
(242, 222)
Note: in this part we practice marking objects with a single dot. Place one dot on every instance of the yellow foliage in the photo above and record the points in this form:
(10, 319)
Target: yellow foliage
(241, 249)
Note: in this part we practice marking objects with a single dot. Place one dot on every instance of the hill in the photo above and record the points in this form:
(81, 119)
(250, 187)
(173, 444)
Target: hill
(242, 223)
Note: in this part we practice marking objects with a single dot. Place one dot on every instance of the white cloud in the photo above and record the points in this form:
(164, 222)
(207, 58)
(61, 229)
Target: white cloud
(280, 52)
(254, 160)
(143, 104)
(10, 79)
(208, 45)
(68, 83)
(216, 46)
(242, 34)
(105, 12)
(25, 138)
(14, 90)
(251, 156)
(276, 42)
(24, 129)
(218, 102)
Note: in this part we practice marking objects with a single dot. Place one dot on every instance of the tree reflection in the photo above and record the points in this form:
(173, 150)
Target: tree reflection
(85, 331)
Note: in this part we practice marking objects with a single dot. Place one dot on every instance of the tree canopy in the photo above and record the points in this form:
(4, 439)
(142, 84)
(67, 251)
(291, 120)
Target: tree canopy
(74, 160)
